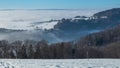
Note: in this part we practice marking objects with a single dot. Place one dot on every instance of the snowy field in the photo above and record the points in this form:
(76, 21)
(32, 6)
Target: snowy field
(67, 63)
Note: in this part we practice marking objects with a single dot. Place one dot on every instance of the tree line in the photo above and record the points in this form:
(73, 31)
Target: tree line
(105, 44)
(42, 50)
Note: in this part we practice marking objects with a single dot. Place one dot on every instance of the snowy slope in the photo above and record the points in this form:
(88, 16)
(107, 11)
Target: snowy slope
(66, 63)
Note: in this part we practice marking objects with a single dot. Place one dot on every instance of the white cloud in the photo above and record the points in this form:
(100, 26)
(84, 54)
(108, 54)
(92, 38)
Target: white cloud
(21, 19)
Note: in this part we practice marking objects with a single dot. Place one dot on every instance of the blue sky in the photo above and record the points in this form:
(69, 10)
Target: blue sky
(59, 4)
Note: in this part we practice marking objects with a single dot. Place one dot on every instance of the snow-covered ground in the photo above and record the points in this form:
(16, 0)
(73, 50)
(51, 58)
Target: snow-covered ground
(64, 63)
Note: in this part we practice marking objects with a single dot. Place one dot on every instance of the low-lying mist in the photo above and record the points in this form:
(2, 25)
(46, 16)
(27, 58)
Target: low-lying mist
(38, 35)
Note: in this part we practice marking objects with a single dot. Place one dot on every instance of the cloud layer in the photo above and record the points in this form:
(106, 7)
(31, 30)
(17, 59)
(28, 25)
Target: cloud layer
(21, 19)
(27, 19)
